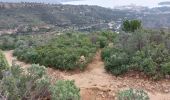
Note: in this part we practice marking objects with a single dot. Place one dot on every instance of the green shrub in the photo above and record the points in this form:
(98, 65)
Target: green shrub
(103, 42)
(165, 68)
(138, 51)
(34, 84)
(141, 62)
(62, 52)
(65, 90)
(117, 63)
(30, 85)
(106, 52)
(7, 43)
(149, 67)
(132, 94)
(3, 63)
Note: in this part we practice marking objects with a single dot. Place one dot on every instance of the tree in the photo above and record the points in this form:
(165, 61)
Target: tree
(131, 25)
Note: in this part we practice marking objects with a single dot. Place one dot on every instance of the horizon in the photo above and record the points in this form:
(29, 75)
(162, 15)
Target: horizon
(106, 4)
(113, 4)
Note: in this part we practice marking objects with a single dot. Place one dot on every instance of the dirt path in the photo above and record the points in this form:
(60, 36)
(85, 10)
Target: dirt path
(96, 84)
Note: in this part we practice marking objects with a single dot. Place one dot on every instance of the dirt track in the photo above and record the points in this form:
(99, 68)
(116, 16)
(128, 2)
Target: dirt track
(96, 84)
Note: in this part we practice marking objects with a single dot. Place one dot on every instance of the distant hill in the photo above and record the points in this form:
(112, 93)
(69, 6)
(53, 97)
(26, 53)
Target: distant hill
(19, 15)
(165, 3)
(38, 1)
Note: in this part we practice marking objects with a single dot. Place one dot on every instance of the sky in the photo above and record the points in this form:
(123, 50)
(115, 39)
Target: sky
(103, 3)
(114, 3)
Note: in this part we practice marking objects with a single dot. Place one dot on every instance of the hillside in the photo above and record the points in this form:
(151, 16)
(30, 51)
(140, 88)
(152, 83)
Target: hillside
(20, 15)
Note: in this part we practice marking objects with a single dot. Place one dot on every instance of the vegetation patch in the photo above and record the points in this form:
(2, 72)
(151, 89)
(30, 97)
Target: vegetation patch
(66, 52)
(144, 51)
(34, 84)
(132, 94)
(3, 63)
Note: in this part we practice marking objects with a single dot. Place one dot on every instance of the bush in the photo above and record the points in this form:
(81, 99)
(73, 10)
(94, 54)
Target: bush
(165, 68)
(142, 62)
(7, 43)
(132, 94)
(34, 84)
(65, 90)
(3, 63)
(117, 63)
(62, 52)
(20, 85)
(106, 53)
(103, 42)
(140, 52)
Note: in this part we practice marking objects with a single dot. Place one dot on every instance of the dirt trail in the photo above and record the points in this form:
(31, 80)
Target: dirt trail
(96, 84)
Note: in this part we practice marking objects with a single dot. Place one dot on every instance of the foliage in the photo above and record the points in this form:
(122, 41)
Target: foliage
(65, 90)
(62, 52)
(34, 84)
(133, 94)
(165, 68)
(30, 85)
(116, 62)
(131, 25)
(7, 43)
(142, 51)
(3, 63)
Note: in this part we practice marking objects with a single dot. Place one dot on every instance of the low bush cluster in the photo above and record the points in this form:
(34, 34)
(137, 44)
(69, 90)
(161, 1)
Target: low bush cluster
(3, 63)
(142, 51)
(132, 94)
(63, 52)
(34, 84)
(65, 90)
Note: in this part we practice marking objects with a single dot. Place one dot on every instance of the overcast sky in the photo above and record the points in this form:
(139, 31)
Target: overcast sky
(113, 3)
(103, 3)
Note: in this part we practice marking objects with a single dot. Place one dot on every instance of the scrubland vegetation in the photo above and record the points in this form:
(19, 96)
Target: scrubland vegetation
(34, 84)
(133, 94)
(134, 49)
(3, 63)
(142, 50)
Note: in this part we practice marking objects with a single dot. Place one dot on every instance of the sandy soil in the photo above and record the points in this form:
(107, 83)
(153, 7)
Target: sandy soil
(96, 84)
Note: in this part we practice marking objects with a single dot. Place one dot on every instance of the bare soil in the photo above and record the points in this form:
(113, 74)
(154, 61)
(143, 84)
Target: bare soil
(96, 84)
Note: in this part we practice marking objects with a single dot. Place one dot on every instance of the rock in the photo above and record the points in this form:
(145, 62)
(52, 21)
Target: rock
(103, 85)
(137, 76)
(166, 91)
(82, 59)
(114, 95)
(94, 84)
(103, 96)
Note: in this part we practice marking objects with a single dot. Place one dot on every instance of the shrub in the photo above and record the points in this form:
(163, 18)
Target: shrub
(65, 90)
(117, 63)
(165, 68)
(3, 63)
(19, 85)
(62, 52)
(34, 84)
(106, 53)
(103, 42)
(140, 52)
(141, 62)
(132, 94)
(7, 43)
